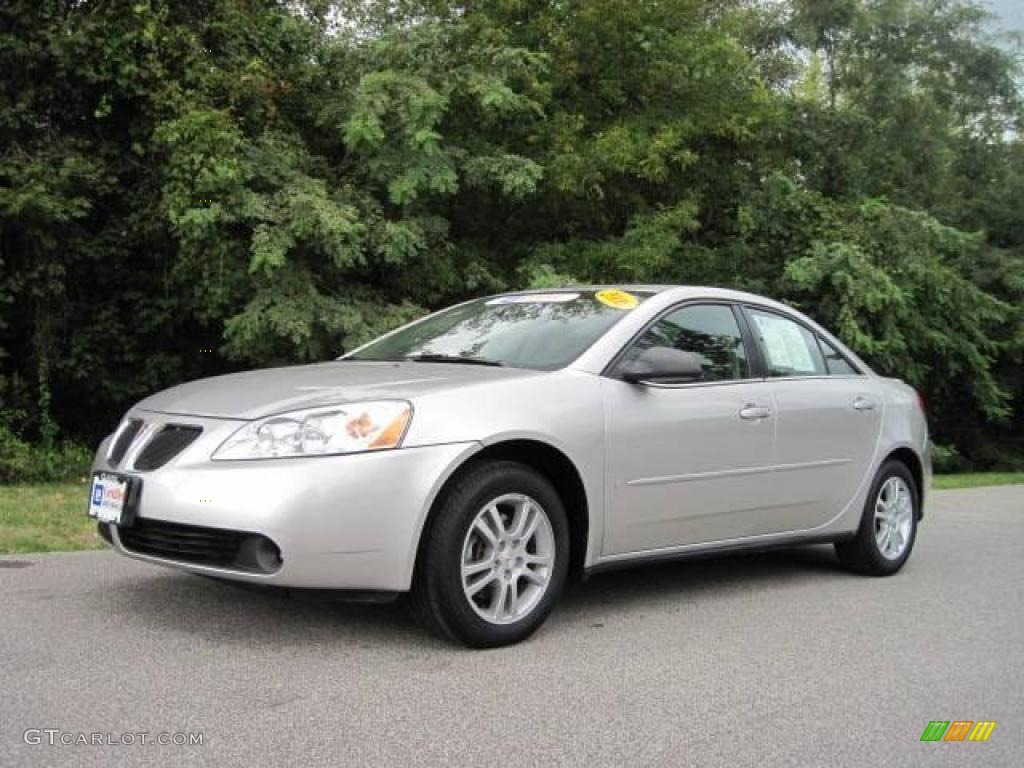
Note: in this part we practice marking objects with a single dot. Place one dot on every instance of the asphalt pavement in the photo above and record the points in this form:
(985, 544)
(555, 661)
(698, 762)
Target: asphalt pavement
(760, 660)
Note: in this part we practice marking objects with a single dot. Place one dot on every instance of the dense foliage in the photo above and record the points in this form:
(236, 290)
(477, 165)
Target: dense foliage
(191, 186)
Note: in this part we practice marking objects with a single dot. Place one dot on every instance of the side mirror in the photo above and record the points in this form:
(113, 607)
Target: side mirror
(659, 363)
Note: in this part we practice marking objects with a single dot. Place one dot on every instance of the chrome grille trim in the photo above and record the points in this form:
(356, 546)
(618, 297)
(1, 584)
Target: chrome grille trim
(127, 433)
(145, 435)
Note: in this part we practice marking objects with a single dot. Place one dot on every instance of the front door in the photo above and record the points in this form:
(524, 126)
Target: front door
(688, 462)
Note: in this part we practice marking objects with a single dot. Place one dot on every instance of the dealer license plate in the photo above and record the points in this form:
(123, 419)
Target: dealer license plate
(108, 499)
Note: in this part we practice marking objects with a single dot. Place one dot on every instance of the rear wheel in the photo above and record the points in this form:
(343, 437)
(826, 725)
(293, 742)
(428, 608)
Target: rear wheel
(889, 525)
(495, 557)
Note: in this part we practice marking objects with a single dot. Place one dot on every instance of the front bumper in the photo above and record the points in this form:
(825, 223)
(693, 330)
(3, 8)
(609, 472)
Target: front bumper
(340, 522)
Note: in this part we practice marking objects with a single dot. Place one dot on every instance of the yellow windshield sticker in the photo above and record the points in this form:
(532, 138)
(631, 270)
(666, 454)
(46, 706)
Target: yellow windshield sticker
(613, 297)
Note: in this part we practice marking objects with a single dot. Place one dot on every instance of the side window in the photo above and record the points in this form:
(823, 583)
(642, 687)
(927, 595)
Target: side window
(789, 348)
(837, 364)
(708, 330)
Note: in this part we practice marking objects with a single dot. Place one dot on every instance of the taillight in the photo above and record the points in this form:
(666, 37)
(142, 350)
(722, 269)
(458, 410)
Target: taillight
(921, 404)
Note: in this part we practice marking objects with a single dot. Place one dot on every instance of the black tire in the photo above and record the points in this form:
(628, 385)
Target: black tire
(862, 553)
(438, 601)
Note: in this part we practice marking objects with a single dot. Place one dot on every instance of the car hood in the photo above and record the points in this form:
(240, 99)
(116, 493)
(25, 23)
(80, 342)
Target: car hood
(254, 394)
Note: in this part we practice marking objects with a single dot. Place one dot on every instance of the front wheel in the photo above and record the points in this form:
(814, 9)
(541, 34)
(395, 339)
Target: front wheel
(889, 525)
(495, 557)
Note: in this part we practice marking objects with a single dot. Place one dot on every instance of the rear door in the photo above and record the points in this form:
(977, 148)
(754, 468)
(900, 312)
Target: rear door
(828, 417)
(690, 462)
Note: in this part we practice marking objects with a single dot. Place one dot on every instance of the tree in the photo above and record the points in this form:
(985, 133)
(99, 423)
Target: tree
(188, 187)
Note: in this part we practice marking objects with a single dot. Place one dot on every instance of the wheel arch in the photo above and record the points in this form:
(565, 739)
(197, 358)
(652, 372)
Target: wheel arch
(547, 460)
(906, 456)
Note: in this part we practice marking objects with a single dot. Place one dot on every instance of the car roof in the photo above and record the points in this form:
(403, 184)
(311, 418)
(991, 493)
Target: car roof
(636, 287)
(681, 291)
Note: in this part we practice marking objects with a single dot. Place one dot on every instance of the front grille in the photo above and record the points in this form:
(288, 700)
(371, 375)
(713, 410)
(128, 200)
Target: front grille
(122, 440)
(165, 445)
(199, 545)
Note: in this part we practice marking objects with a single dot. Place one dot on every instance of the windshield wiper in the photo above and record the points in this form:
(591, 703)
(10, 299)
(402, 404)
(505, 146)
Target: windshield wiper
(432, 358)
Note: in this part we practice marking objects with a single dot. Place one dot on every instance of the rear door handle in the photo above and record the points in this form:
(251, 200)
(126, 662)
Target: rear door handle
(863, 404)
(753, 412)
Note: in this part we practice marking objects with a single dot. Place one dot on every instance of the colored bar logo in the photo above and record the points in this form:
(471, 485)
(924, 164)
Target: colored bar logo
(958, 730)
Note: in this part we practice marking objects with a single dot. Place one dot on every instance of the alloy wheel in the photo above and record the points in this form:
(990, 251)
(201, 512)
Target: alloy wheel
(894, 510)
(508, 558)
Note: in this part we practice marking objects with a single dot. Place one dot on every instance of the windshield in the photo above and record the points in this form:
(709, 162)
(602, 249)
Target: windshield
(531, 330)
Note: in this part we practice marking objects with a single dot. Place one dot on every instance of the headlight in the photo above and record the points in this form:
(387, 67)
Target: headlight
(348, 428)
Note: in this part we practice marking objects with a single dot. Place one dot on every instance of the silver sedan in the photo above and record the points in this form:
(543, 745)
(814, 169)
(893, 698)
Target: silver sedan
(480, 457)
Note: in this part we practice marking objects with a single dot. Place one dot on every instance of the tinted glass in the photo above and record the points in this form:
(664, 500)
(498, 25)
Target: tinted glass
(544, 331)
(709, 331)
(789, 348)
(835, 362)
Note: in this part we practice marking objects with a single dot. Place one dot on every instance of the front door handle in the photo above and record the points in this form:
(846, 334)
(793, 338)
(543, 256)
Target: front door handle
(754, 412)
(863, 404)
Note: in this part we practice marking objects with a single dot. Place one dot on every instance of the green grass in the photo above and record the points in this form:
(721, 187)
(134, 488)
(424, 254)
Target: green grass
(977, 480)
(51, 518)
(45, 518)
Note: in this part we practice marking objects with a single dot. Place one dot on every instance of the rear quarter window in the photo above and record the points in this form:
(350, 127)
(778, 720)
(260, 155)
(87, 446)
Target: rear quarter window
(836, 364)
